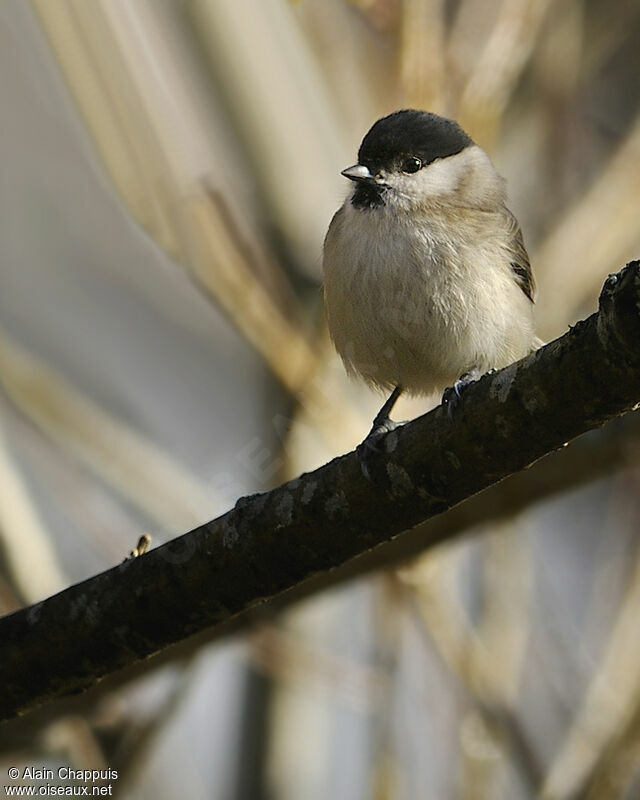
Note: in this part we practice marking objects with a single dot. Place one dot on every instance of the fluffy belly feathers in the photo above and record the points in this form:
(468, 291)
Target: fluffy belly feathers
(415, 309)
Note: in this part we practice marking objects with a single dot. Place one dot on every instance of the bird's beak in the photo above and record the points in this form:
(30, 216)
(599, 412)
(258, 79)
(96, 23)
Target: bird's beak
(358, 172)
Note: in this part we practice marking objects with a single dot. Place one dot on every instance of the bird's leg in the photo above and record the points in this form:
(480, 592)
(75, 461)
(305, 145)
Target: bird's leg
(381, 422)
(451, 395)
(382, 425)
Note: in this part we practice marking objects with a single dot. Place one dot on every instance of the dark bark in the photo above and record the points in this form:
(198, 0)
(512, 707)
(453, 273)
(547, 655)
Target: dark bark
(590, 457)
(272, 542)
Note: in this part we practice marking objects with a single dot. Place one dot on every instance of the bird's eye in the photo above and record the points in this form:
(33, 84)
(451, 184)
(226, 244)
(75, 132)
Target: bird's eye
(411, 164)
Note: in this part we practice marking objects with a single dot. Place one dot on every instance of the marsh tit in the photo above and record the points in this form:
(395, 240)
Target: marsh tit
(427, 282)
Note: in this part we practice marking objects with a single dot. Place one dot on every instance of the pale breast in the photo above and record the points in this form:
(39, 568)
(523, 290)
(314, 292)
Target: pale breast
(419, 305)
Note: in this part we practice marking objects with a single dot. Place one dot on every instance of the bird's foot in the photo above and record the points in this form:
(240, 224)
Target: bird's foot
(451, 395)
(369, 448)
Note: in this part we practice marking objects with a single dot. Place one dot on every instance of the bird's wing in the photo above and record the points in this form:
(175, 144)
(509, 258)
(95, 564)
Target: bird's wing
(520, 260)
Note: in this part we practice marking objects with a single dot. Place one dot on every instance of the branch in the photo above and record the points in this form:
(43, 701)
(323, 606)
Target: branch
(271, 542)
(590, 457)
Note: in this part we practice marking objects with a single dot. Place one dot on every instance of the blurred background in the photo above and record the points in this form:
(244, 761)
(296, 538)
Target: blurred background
(168, 169)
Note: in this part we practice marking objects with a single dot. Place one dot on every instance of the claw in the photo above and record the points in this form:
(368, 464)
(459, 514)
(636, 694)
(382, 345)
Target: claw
(370, 446)
(451, 395)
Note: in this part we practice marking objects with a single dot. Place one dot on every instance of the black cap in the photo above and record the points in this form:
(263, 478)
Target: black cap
(411, 133)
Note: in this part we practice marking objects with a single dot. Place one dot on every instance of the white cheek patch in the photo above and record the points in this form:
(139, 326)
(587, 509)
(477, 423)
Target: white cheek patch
(439, 177)
(444, 175)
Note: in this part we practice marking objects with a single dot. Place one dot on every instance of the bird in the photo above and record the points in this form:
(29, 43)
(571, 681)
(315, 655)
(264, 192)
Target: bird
(427, 283)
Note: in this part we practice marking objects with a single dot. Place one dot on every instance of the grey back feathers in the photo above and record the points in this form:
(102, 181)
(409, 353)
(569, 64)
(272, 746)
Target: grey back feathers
(520, 264)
